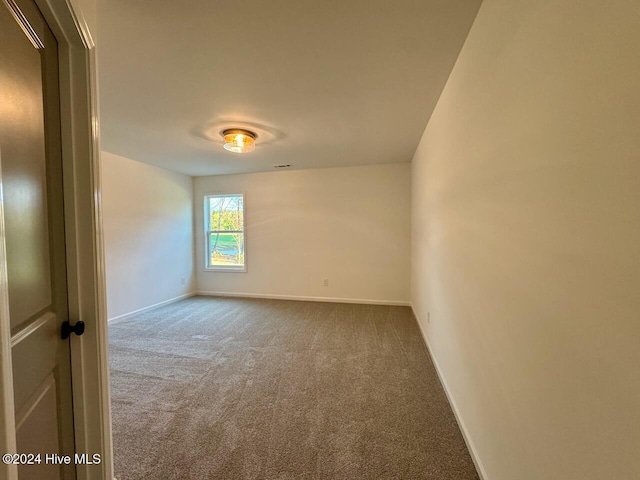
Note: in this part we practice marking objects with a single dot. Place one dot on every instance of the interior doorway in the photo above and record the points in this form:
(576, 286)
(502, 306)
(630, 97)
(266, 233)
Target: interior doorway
(54, 396)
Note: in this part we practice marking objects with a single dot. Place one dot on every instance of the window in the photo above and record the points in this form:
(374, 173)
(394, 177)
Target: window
(224, 227)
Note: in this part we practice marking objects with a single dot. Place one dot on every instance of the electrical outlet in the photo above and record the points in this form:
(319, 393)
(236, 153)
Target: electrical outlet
(325, 282)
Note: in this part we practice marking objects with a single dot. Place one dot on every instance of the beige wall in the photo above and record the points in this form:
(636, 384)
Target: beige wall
(350, 225)
(148, 234)
(526, 235)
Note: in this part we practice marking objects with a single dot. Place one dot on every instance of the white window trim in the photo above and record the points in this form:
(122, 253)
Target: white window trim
(223, 268)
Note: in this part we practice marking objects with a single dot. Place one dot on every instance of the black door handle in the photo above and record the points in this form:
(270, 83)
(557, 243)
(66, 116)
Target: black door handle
(68, 329)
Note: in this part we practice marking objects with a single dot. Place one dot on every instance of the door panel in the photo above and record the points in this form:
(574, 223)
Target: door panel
(36, 363)
(37, 431)
(23, 161)
(30, 162)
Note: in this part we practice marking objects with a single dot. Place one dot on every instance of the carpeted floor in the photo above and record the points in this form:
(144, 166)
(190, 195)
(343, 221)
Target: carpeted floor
(221, 388)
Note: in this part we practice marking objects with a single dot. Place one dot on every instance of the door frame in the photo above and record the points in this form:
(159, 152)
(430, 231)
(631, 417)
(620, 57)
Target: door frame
(85, 252)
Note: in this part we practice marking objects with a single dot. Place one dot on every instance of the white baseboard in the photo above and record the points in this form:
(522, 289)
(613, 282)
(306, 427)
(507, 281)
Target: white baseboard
(465, 434)
(306, 299)
(150, 307)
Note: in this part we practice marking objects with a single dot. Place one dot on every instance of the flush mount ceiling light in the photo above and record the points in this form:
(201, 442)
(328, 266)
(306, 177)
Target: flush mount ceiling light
(238, 140)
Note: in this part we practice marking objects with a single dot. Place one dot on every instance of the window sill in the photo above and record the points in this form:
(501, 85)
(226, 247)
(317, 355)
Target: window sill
(226, 269)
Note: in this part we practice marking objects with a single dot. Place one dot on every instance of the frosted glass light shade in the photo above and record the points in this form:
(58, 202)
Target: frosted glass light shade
(239, 141)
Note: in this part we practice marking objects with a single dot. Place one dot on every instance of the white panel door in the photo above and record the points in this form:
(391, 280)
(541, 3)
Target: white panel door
(31, 176)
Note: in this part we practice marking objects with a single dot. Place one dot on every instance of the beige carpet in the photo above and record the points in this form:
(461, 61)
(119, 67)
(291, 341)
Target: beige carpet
(218, 388)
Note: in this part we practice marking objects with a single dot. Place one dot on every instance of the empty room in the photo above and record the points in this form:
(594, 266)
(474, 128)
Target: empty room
(320, 240)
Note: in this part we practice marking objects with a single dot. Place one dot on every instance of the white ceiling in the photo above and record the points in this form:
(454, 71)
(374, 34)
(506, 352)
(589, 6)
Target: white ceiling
(324, 82)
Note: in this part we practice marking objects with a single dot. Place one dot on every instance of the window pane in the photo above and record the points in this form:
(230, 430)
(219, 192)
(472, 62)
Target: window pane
(226, 249)
(225, 213)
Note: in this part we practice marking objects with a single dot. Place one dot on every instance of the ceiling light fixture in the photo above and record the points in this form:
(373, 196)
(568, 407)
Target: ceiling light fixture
(238, 140)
